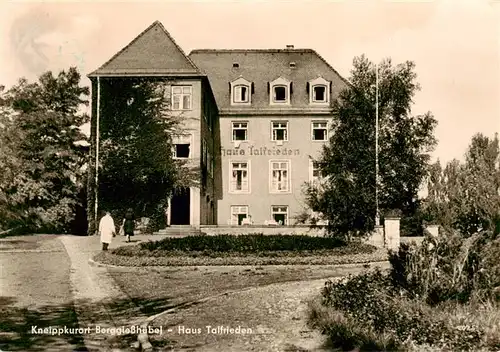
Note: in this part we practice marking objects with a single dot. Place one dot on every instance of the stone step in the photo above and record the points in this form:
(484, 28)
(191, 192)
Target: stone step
(179, 230)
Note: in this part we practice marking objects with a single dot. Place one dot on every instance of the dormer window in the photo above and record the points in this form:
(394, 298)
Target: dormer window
(319, 94)
(319, 91)
(279, 91)
(241, 92)
(279, 94)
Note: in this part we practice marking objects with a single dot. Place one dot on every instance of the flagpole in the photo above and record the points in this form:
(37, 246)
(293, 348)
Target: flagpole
(98, 108)
(377, 215)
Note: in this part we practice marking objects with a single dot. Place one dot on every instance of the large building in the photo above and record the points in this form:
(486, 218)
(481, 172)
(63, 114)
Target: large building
(257, 120)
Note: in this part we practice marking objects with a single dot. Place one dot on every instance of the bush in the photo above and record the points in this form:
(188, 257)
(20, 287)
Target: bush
(448, 267)
(433, 297)
(412, 226)
(251, 243)
(368, 313)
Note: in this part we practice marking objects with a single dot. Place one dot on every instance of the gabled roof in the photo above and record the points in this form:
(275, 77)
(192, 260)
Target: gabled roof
(153, 52)
(262, 66)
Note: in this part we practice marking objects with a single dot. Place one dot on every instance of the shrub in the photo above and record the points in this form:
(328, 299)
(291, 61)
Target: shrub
(365, 306)
(248, 243)
(448, 267)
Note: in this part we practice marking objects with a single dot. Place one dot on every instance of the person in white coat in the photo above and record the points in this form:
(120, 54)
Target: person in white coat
(106, 230)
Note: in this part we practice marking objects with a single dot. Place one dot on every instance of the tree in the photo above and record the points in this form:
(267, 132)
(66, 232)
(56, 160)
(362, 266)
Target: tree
(347, 197)
(40, 154)
(467, 194)
(137, 168)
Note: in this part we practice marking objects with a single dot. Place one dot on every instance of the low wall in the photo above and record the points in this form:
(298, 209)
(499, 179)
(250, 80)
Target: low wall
(266, 230)
(376, 238)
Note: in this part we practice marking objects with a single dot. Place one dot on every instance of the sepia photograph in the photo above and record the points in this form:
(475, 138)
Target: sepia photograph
(244, 175)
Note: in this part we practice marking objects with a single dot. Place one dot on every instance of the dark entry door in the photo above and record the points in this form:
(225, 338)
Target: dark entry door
(180, 207)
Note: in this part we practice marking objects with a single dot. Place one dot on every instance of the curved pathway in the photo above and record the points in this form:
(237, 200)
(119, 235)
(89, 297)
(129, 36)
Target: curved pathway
(276, 315)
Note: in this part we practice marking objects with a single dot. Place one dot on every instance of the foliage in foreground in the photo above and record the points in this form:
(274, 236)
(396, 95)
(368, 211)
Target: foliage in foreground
(449, 267)
(439, 295)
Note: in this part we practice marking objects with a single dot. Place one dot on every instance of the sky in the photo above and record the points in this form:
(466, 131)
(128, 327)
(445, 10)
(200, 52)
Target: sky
(455, 44)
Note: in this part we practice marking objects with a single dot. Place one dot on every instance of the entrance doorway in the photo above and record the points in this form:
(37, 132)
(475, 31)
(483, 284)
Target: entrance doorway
(180, 207)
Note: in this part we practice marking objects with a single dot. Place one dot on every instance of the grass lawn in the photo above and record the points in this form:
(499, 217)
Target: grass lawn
(243, 250)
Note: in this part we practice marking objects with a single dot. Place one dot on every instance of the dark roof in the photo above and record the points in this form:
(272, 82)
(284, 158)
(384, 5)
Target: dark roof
(153, 52)
(261, 66)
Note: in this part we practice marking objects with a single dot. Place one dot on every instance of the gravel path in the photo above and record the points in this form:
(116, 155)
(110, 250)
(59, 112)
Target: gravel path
(276, 315)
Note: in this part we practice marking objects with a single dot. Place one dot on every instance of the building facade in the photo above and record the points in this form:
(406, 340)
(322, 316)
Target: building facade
(154, 55)
(256, 121)
(275, 108)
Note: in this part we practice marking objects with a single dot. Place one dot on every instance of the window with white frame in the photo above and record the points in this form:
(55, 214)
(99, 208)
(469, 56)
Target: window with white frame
(315, 172)
(279, 176)
(279, 94)
(240, 131)
(181, 151)
(240, 94)
(238, 214)
(319, 130)
(239, 178)
(319, 91)
(181, 97)
(280, 90)
(241, 91)
(181, 146)
(279, 130)
(279, 213)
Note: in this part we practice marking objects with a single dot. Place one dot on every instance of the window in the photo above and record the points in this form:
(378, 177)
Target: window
(319, 91)
(204, 151)
(320, 131)
(181, 151)
(181, 97)
(279, 91)
(280, 176)
(239, 179)
(210, 165)
(279, 94)
(181, 144)
(280, 214)
(240, 94)
(279, 131)
(238, 214)
(319, 94)
(315, 173)
(240, 131)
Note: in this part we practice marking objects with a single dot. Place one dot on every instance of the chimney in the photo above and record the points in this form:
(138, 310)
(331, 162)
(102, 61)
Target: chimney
(289, 46)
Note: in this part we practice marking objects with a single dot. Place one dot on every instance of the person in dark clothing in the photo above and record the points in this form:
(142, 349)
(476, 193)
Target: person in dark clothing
(129, 224)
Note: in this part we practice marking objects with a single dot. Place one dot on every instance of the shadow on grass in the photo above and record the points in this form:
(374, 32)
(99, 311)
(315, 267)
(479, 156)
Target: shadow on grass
(16, 324)
(16, 327)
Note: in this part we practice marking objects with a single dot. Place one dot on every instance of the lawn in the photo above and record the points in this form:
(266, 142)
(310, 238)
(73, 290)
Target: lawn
(255, 249)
